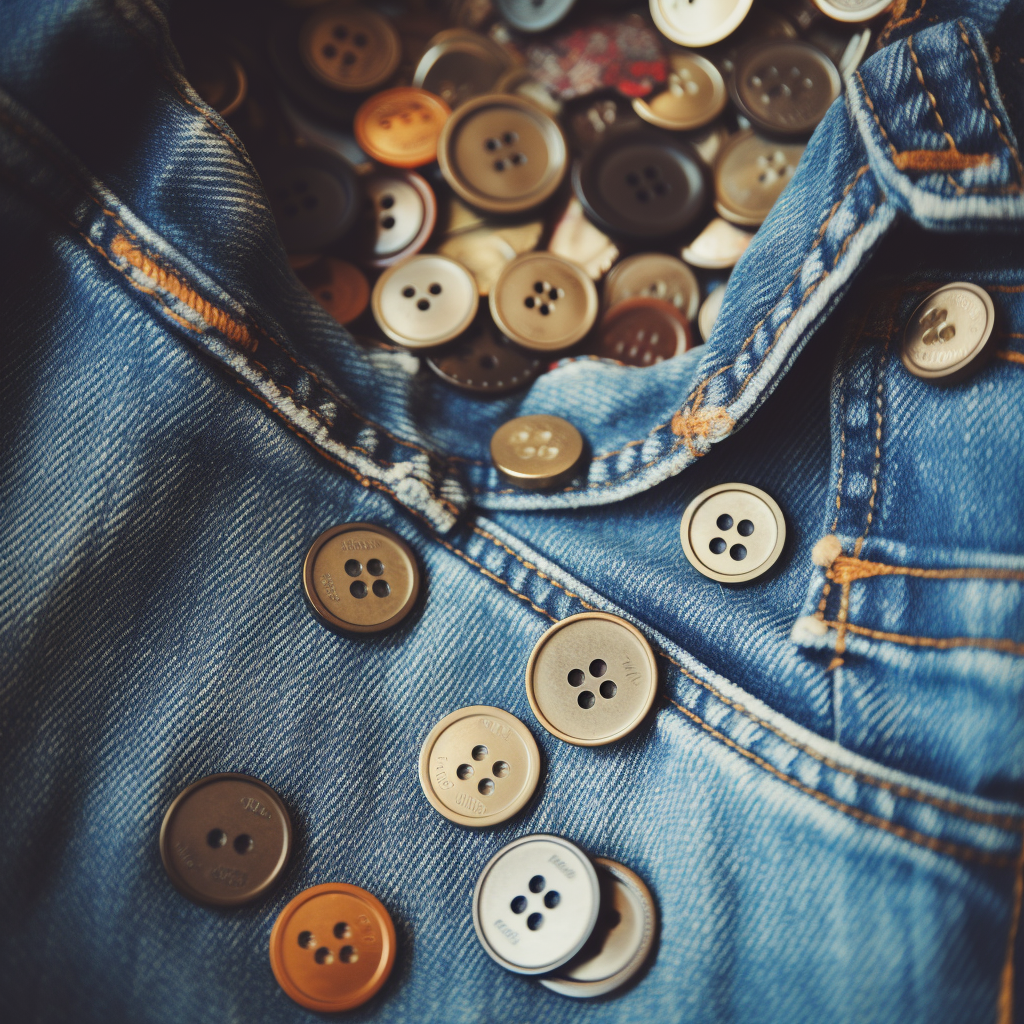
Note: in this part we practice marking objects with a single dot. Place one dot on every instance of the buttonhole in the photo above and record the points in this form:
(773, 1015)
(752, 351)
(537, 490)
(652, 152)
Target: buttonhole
(353, 567)
(598, 667)
(358, 589)
(387, 222)
(348, 955)
(408, 292)
(551, 899)
(307, 940)
(537, 883)
(608, 689)
(479, 752)
(381, 588)
(534, 921)
(375, 567)
(486, 787)
(216, 837)
(341, 930)
(518, 905)
(717, 546)
(500, 769)
(724, 522)
(243, 843)
(434, 289)
(745, 528)
(576, 677)
(323, 956)
(586, 700)
(423, 304)
(387, 202)
(738, 552)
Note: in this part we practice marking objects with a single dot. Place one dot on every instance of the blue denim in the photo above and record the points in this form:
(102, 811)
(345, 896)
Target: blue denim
(827, 800)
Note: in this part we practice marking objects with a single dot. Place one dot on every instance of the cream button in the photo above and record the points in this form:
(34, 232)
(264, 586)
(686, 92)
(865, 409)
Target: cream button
(698, 22)
(709, 310)
(694, 95)
(536, 452)
(653, 275)
(718, 247)
(947, 334)
(750, 174)
(852, 10)
(349, 48)
(733, 532)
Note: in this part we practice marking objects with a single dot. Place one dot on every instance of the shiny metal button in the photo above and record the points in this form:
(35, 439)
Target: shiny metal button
(225, 840)
(360, 578)
(398, 217)
(947, 335)
(424, 301)
(536, 903)
(750, 174)
(339, 287)
(459, 64)
(332, 947)
(653, 275)
(718, 246)
(733, 532)
(544, 302)
(853, 10)
(400, 127)
(533, 15)
(536, 452)
(479, 766)
(698, 22)
(591, 679)
(709, 310)
(620, 942)
(485, 362)
(642, 332)
(694, 95)
(349, 48)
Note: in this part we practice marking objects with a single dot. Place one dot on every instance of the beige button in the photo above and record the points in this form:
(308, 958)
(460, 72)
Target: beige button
(424, 301)
(544, 302)
(591, 679)
(750, 174)
(733, 532)
(400, 127)
(360, 578)
(484, 253)
(694, 95)
(853, 10)
(698, 22)
(502, 153)
(947, 334)
(400, 215)
(709, 310)
(479, 766)
(459, 64)
(349, 48)
(536, 452)
(653, 275)
(718, 246)
(339, 287)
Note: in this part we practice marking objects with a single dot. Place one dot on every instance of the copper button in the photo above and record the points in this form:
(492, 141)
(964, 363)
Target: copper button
(484, 361)
(698, 22)
(718, 246)
(459, 64)
(332, 947)
(853, 10)
(657, 276)
(536, 452)
(694, 95)
(400, 127)
(225, 839)
(642, 332)
(339, 287)
(398, 217)
(349, 48)
(750, 174)
(948, 333)
(709, 310)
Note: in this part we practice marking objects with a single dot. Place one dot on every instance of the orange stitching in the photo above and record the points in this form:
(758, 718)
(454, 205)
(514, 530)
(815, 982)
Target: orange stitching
(1010, 356)
(847, 570)
(929, 94)
(941, 643)
(932, 161)
(1004, 1014)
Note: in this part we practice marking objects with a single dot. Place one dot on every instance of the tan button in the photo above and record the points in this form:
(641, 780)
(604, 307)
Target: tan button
(642, 332)
(733, 532)
(698, 22)
(694, 95)
(484, 253)
(502, 153)
(947, 334)
(360, 578)
(853, 10)
(657, 276)
(400, 127)
(349, 48)
(485, 362)
(459, 64)
(536, 452)
(718, 246)
(750, 174)
(709, 310)
(479, 766)
(332, 947)
(425, 301)
(225, 839)
(398, 219)
(544, 302)
(339, 287)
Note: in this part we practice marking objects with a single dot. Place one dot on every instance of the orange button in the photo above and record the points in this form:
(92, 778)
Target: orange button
(339, 287)
(400, 127)
(333, 947)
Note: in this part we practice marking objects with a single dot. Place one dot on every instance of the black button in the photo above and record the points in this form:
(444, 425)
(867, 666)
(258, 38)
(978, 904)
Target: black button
(483, 360)
(533, 15)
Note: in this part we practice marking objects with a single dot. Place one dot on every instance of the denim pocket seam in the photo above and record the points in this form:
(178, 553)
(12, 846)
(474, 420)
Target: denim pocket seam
(1001, 645)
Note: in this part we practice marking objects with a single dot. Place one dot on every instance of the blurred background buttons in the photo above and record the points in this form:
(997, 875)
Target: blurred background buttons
(399, 214)
(533, 15)
(642, 332)
(536, 452)
(718, 246)
(750, 174)
(484, 253)
(459, 64)
(218, 77)
(339, 287)
(853, 10)
(349, 48)
(484, 361)
(653, 275)
(947, 334)
(400, 127)
(698, 22)
(709, 310)
(693, 96)
(575, 238)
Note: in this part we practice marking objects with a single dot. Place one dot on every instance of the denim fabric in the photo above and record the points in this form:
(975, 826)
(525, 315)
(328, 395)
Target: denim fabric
(827, 799)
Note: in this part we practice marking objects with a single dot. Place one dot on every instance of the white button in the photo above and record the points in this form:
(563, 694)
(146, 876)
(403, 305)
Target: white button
(948, 332)
(853, 10)
(698, 22)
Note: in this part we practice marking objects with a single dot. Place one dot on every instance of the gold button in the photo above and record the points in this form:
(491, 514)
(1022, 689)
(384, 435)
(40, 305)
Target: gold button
(544, 302)
(718, 247)
(653, 275)
(947, 334)
(332, 947)
(698, 22)
(398, 218)
(339, 287)
(479, 766)
(853, 10)
(459, 64)
(400, 127)
(693, 95)
(709, 310)
(750, 174)
(591, 679)
(643, 331)
(360, 578)
(349, 48)
(536, 452)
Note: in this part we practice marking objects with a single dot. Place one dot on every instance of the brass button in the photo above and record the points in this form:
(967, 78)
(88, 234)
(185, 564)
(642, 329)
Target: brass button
(332, 947)
(360, 578)
(485, 362)
(853, 10)
(339, 287)
(718, 247)
(398, 217)
(947, 334)
(225, 840)
(459, 64)
(693, 95)
(425, 301)
(536, 452)
(642, 332)
(483, 252)
(544, 302)
(591, 679)
(400, 127)
(733, 532)
(349, 48)
(698, 22)
(709, 310)
(502, 153)
(479, 766)
(657, 276)
(533, 15)
(750, 174)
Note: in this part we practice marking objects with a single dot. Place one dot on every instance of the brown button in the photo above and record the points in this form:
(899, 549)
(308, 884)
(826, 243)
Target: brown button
(750, 174)
(536, 452)
(398, 217)
(219, 79)
(709, 310)
(400, 127)
(544, 302)
(657, 276)
(360, 578)
(718, 246)
(698, 22)
(225, 839)
(502, 153)
(339, 287)
(484, 361)
(332, 947)
(694, 95)
(349, 48)
(642, 332)
(853, 10)
(459, 64)
(947, 335)
(484, 253)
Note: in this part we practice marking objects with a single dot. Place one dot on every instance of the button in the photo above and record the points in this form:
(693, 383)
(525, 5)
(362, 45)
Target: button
(853, 10)
(484, 361)
(219, 79)
(398, 217)
(657, 276)
(459, 64)
(484, 253)
(718, 246)
(620, 942)
(349, 48)
(533, 15)
(946, 335)
(502, 153)
(225, 839)
(424, 301)
(339, 287)
(641, 182)
(536, 903)
(400, 127)
(844, 45)
(642, 332)
(698, 22)
(479, 766)
(750, 174)
(360, 578)
(536, 452)
(784, 87)
(332, 947)
(693, 96)
(709, 310)
(544, 302)
(733, 532)
(591, 679)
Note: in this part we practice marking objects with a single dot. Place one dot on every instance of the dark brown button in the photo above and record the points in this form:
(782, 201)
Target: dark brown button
(484, 361)
(750, 174)
(399, 215)
(349, 48)
(225, 839)
(459, 64)
(338, 286)
(642, 332)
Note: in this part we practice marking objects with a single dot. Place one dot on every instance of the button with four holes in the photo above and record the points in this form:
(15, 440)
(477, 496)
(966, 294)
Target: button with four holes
(698, 22)
(694, 95)
(400, 127)
(349, 48)
(536, 452)
(947, 335)
(332, 947)
(484, 361)
(750, 174)
(398, 216)
(591, 679)
(653, 275)
(733, 532)
(642, 332)
(339, 287)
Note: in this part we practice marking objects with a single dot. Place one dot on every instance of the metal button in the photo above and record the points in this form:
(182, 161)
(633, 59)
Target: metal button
(750, 174)
(339, 287)
(620, 942)
(332, 947)
(225, 839)
(642, 332)
(709, 310)
(733, 532)
(591, 679)
(693, 96)
(536, 903)
(360, 578)
(502, 153)
(398, 217)
(657, 276)
(484, 361)
(947, 334)
(718, 246)
(536, 452)
(853, 10)
(459, 64)
(400, 127)
(349, 48)
(544, 302)
(425, 301)
(533, 15)
(698, 22)
(479, 766)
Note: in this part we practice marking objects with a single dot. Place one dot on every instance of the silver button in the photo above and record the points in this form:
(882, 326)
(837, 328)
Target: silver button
(948, 332)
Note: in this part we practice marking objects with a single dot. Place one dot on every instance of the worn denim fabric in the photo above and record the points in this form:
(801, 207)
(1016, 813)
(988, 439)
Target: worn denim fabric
(827, 799)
